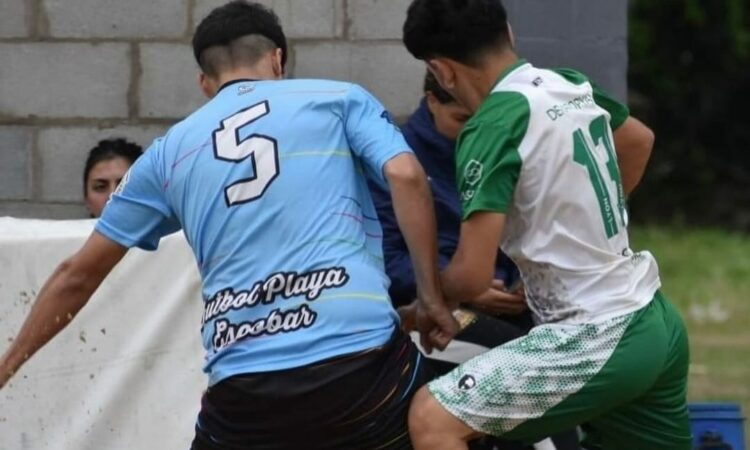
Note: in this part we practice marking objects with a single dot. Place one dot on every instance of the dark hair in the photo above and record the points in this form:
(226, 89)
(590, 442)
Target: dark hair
(228, 23)
(110, 149)
(431, 85)
(463, 30)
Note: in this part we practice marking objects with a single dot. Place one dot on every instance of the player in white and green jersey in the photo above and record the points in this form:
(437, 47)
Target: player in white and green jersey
(541, 172)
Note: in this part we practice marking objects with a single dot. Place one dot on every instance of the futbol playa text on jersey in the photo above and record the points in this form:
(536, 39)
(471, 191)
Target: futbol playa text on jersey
(278, 285)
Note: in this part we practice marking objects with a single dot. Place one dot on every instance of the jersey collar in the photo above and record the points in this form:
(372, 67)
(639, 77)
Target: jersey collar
(508, 70)
(231, 82)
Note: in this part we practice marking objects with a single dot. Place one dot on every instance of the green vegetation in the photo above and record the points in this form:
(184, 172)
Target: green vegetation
(707, 274)
(689, 81)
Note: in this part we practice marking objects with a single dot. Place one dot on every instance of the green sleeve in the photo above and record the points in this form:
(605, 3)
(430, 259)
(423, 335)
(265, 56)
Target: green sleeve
(488, 163)
(617, 111)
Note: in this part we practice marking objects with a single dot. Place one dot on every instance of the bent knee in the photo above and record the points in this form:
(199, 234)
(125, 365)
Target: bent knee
(420, 410)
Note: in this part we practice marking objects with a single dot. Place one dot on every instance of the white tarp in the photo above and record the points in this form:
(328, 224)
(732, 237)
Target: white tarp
(126, 373)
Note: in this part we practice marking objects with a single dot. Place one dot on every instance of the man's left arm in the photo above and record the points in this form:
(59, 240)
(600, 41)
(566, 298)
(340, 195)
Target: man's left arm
(62, 296)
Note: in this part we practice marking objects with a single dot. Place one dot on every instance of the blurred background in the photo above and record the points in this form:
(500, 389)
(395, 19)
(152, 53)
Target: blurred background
(689, 79)
(75, 71)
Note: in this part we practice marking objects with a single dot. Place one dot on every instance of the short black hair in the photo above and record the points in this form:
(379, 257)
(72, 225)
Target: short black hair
(431, 85)
(226, 24)
(107, 149)
(462, 30)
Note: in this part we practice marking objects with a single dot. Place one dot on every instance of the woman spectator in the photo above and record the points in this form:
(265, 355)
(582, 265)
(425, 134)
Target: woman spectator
(106, 164)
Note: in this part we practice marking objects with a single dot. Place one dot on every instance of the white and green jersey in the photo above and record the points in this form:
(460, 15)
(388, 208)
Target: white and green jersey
(540, 150)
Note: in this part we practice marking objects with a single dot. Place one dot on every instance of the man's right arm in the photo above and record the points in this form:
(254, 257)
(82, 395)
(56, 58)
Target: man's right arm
(633, 144)
(62, 296)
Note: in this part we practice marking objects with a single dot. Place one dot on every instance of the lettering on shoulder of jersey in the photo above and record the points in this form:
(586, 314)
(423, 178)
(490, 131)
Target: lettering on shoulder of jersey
(388, 118)
(577, 103)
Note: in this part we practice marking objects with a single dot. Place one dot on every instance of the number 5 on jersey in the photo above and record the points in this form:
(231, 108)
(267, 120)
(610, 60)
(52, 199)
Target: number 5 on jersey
(261, 150)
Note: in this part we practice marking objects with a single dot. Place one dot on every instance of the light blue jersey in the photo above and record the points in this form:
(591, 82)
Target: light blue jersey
(267, 182)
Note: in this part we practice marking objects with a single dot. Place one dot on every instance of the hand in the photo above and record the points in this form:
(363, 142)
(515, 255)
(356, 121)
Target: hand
(435, 323)
(497, 300)
(408, 315)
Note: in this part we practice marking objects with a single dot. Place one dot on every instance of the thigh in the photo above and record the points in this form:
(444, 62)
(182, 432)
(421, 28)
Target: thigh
(479, 333)
(657, 419)
(554, 378)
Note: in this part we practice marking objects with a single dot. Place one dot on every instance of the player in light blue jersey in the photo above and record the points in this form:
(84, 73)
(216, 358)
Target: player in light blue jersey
(267, 180)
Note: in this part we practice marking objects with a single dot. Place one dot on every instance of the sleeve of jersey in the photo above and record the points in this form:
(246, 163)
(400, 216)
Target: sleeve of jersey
(618, 112)
(137, 214)
(372, 134)
(488, 166)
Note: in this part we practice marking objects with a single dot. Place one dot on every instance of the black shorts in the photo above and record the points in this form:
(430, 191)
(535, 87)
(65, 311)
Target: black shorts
(357, 401)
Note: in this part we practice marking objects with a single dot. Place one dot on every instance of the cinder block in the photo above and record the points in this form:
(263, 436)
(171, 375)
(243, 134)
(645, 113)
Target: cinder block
(542, 19)
(607, 65)
(386, 70)
(36, 210)
(117, 18)
(595, 21)
(15, 157)
(377, 19)
(13, 19)
(300, 19)
(168, 85)
(64, 80)
(63, 152)
(544, 53)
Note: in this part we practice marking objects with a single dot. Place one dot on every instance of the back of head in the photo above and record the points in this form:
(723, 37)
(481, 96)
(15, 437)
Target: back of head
(462, 30)
(237, 34)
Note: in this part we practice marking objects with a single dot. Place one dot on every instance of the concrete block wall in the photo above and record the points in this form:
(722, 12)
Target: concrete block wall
(76, 71)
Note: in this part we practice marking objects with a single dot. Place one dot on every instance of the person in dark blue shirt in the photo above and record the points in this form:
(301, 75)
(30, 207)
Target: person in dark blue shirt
(431, 132)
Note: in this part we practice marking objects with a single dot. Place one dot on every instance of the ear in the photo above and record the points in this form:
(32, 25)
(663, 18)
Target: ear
(278, 67)
(511, 36)
(205, 84)
(444, 73)
(432, 101)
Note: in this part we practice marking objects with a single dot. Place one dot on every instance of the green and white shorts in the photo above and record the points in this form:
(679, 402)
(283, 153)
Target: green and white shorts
(623, 380)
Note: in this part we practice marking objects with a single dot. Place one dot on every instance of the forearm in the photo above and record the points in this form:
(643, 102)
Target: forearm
(471, 270)
(459, 286)
(412, 204)
(64, 294)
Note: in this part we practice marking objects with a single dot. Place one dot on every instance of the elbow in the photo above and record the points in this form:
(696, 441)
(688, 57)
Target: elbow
(465, 285)
(73, 277)
(649, 138)
(404, 169)
(478, 284)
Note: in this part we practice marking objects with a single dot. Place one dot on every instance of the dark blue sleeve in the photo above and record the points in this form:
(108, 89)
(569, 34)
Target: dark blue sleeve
(398, 265)
(506, 270)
